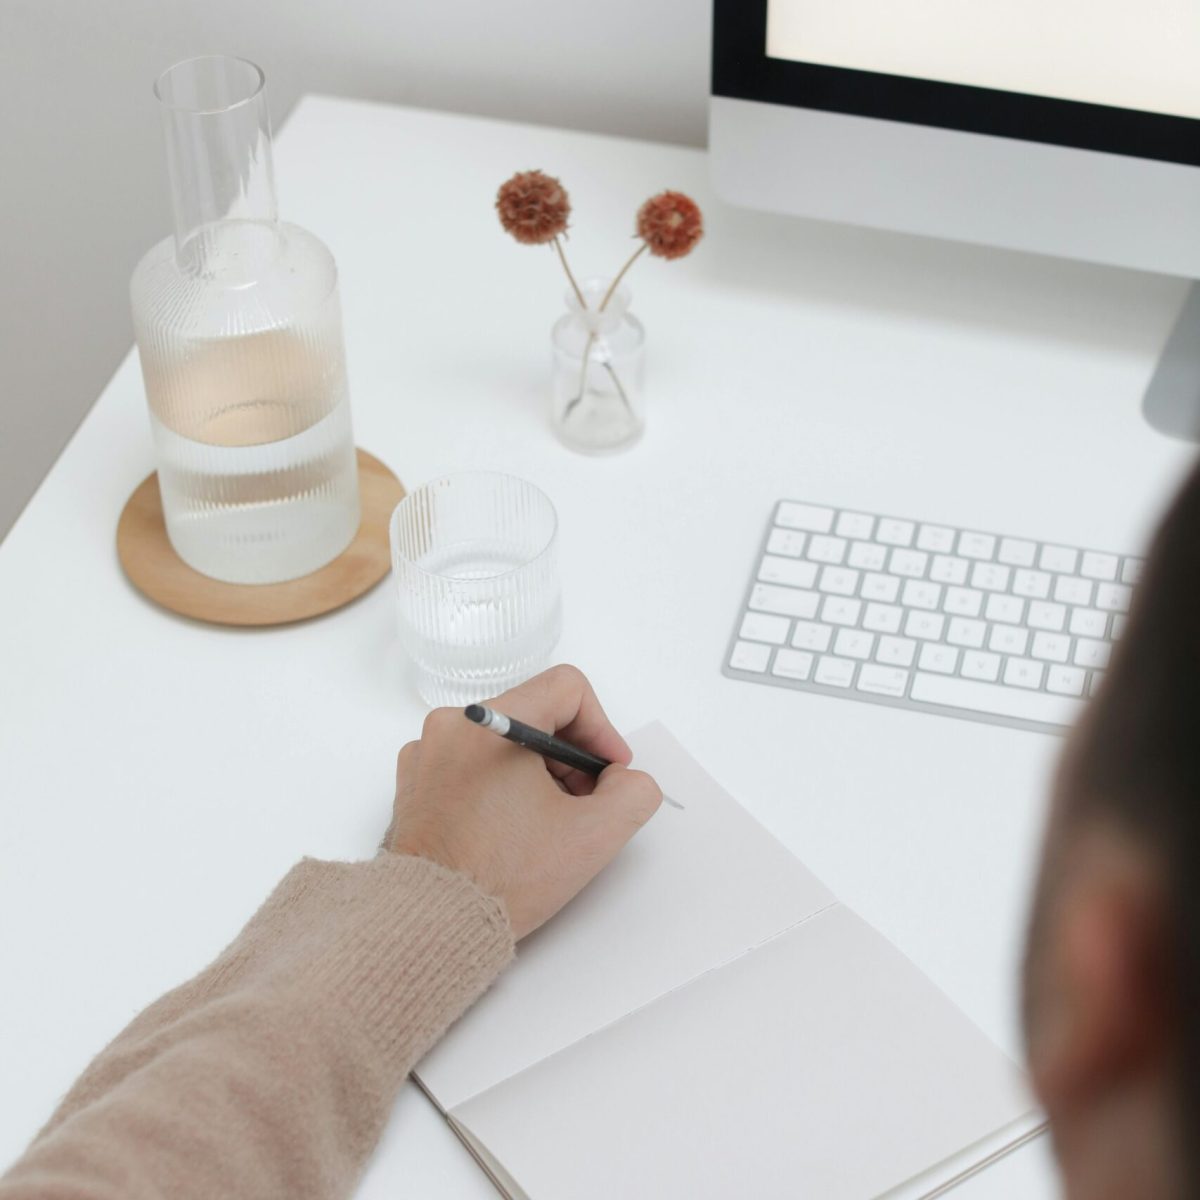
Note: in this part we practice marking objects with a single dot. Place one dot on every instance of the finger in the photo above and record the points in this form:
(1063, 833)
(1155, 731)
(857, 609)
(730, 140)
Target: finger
(406, 760)
(577, 782)
(561, 701)
(624, 800)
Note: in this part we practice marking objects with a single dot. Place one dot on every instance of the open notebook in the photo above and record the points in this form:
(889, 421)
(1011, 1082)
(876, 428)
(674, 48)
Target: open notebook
(706, 1020)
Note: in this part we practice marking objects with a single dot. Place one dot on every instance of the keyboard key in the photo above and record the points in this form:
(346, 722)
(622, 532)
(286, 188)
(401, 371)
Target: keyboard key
(1054, 647)
(1069, 590)
(883, 618)
(834, 672)
(979, 664)
(1059, 559)
(825, 549)
(1023, 672)
(1094, 683)
(1043, 615)
(758, 627)
(994, 699)
(1118, 626)
(925, 625)
(855, 525)
(896, 651)
(1065, 681)
(854, 643)
(804, 516)
(894, 533)
(1131, 570)
(748, 656)
(942, 659)
(965, 632)
(910, 563)
(883, 681)
(787, 542)
(774, 569)
(786, 601)
(1034, 584)
(840, 611)
(976, 545)
(1099, 566)
(1014, 552)
(963, 602)
(867, 556)
(945, 569)
(919, 594)
(792, 664)
(810, 636)
(1088, 622)
(880, 587)
(935, 538)
(990, 577)
(841, 581)
(1008, 609)
(1008, 639)
(1089, 653)
(1114, 597)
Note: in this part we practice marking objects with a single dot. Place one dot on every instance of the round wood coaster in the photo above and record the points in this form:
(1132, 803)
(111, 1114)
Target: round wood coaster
(152, 566)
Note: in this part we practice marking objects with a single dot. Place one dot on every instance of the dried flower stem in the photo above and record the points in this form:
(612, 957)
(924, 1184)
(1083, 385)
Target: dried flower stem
(583, 369)
(621, 275)
(562, 257)
(587, 350)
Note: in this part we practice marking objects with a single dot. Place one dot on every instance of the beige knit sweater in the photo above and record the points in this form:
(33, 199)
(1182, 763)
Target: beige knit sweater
(271, 1073)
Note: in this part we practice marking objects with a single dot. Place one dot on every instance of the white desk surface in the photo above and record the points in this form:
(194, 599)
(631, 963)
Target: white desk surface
(158, 776)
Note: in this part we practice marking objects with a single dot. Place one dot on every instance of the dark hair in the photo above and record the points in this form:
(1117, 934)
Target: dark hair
(1136, 756)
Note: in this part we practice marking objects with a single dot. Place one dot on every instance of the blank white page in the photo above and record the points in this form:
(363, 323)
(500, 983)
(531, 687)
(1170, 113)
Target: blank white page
(695, 888)
(821, 1065)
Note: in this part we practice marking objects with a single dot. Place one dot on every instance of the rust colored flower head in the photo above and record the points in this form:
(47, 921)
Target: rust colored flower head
(533, 207)
(670, 224)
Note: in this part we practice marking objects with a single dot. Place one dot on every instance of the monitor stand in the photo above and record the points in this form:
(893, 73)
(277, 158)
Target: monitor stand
(1172, 401)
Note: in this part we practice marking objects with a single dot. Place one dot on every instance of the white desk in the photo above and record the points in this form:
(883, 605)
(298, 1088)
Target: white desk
(157, 776)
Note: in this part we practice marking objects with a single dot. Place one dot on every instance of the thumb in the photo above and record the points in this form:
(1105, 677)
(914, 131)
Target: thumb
(625, 800)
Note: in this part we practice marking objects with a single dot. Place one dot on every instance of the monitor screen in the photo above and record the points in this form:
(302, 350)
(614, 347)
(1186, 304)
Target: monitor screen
(1143, 56)
(1106, 75)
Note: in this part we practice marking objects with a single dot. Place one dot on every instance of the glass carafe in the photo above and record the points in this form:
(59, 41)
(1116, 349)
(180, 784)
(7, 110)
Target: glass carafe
(238, 327)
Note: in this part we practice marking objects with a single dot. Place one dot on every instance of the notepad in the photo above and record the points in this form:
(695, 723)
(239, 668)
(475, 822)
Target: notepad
(707, 1020)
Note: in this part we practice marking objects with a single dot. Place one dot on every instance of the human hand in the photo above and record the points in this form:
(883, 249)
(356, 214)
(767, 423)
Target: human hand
(530, 832)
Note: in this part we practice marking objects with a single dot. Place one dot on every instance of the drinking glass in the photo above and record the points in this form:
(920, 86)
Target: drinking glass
(475, 561)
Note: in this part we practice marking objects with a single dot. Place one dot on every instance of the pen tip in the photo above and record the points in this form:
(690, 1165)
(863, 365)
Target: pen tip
(476, 713)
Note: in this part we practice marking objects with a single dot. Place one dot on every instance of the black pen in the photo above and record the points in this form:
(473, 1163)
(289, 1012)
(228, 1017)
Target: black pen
(545, 744)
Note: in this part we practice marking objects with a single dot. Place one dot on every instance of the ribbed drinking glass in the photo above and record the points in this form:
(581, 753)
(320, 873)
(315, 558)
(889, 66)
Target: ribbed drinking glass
(475, 562)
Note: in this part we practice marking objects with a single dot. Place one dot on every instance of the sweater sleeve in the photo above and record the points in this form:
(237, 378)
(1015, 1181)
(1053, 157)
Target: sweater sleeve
(272, 1072)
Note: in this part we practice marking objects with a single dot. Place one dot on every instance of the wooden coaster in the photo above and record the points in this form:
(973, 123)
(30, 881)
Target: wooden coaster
(152, 566)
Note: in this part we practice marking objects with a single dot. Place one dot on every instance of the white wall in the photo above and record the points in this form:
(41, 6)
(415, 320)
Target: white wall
(82, 184)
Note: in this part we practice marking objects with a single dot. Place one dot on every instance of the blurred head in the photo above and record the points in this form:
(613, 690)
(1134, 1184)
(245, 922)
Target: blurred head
(1112, 976)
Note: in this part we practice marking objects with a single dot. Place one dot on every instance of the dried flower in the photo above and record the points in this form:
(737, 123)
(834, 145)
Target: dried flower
(670, 224)
(533, 207)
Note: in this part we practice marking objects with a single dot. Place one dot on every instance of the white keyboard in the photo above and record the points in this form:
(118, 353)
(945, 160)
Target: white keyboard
(930, 617)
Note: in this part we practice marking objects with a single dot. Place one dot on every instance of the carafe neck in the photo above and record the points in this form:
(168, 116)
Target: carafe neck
(218, 138)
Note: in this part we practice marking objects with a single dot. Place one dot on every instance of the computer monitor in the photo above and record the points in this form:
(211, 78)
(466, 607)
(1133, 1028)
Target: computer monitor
(1064, 127)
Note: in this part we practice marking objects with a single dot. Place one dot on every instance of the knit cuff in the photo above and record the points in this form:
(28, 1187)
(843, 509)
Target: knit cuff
(399, 946)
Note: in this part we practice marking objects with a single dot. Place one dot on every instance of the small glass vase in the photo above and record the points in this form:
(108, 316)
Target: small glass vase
(599, 368)
(239, 332)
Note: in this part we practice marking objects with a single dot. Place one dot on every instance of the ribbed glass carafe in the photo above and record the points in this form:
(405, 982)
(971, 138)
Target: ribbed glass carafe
(239, 331)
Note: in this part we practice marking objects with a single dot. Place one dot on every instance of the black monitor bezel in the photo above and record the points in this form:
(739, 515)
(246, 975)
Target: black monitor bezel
(742, 70)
